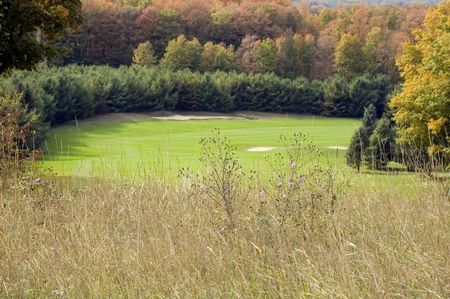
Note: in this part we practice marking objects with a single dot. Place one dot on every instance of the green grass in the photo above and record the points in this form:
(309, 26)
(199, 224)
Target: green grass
(134, 145)
(163, 146)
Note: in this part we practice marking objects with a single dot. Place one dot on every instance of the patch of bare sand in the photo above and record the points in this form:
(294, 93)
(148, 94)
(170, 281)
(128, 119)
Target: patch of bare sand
(261, 149)
(193, 117)
(183, 116)
(165, 115)
(340, 148)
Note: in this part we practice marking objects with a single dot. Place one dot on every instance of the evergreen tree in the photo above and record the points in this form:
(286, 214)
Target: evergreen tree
(337, 99)
(355, 150)
(369, 120)
(361, 138)
(381, 148)
(369, 89)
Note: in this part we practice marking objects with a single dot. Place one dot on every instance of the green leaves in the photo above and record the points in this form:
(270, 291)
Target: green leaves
(144, 55)
(29, 29)
(182, 53)
(351, 59)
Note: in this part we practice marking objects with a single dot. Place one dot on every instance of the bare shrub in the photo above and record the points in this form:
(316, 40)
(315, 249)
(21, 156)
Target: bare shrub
(16, 137)
(222, 184)
(300, 191)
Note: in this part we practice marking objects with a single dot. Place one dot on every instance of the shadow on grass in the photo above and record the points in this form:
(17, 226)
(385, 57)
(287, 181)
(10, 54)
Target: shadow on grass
(66, 143)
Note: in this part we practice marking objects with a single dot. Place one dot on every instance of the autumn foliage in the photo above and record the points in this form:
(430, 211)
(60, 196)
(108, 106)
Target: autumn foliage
(309, 43)
(422, 109)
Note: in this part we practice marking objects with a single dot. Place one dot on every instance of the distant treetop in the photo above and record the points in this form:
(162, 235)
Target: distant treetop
(334, 3)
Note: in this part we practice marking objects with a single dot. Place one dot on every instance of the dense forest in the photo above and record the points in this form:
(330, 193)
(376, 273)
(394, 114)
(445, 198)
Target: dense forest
(334, 3)
(305, 42)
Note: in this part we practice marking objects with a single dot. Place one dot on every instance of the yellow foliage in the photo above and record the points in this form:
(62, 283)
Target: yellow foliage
(422, 109)
(436, 126)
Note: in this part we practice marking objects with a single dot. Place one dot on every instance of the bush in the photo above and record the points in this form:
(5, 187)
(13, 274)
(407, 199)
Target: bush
(222, 185)
(17, 132)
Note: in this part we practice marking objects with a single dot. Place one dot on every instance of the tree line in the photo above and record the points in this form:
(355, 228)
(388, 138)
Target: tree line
(312, 43)
(61, 94)
(288, 56)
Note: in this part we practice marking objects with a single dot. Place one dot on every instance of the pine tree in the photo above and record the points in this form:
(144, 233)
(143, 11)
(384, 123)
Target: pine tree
(369, 121)
(361, 138)
(337, 99)
(355, 151)
(381, 147)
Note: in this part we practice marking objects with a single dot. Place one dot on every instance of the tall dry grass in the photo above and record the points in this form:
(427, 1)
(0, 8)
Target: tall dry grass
(299, 230)
(100, 239)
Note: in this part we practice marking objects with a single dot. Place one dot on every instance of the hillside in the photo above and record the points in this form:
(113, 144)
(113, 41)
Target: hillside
(334, 3)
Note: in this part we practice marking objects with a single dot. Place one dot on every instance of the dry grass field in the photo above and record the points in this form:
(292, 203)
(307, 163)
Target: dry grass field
(224, 233)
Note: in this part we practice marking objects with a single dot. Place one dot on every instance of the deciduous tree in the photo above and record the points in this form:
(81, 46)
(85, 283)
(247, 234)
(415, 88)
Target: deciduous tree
(350, 59)
(265, 56)
(422, 109)
(217, 57)
(29, 29)
(182, 53)
(144, 55)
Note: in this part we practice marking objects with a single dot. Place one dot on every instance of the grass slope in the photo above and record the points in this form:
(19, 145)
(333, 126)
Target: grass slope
(123, 142)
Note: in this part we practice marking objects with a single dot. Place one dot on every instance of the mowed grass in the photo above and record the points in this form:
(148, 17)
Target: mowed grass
(134, 144)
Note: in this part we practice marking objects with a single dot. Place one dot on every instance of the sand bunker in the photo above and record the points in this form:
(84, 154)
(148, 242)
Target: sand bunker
(193, 117)
(261, 149)
(341, 148)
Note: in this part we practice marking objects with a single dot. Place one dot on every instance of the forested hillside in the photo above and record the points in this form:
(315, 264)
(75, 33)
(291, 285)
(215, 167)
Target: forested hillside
(259, 36)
